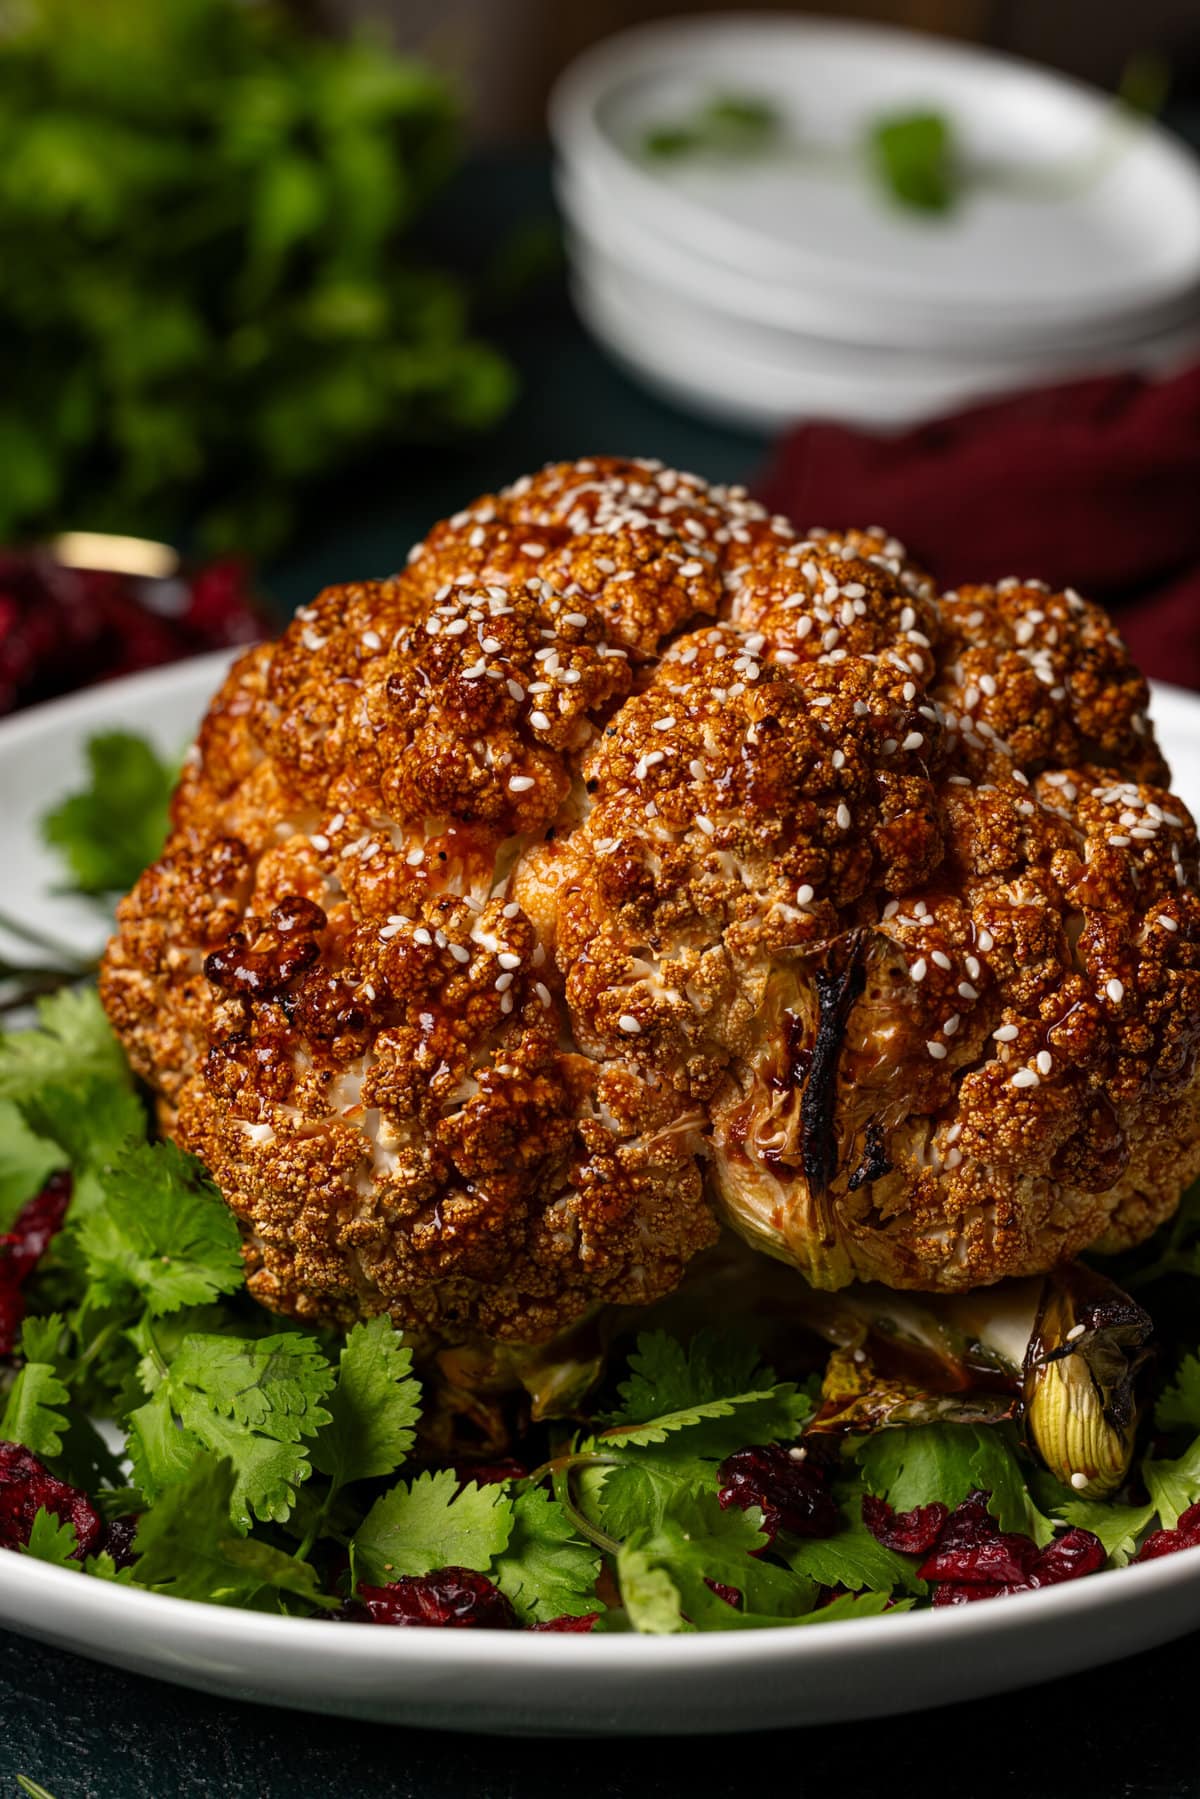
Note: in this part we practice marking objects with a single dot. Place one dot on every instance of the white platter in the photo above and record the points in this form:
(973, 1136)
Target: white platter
(519, 1682)
(1002, 267)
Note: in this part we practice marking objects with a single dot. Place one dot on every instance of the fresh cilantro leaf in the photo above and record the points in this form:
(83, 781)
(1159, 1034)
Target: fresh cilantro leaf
(25, 1162)
(726, 125)
(249, 1400)
(657, 1430)
(856, 1605)
(545, 1569)
(426, 1523)
(372, 1408)
(187, 1547)
(73, 1044)
(852, 1558)
(925, 1463)
(42, 1338)
(91, 1122)
(163, 1232)
(52, 1539)
(114, 827)
(1174, 1485)
(1117, 1526)
(1179, 1404)
(649, 1595)
(913, 155)
(669, 1376)
(33, 1414)
(695, 1542)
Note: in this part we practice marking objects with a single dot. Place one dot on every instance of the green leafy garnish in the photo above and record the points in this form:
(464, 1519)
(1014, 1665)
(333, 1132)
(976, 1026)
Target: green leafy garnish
(164, 1233)
(428, 1523)
(544, 1568)
(915, 159)
(373, 1408)
(112, 829)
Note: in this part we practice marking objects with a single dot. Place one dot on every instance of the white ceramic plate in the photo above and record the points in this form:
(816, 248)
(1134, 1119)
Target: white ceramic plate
(761, 378)
(1003, 265)
(520, 1682)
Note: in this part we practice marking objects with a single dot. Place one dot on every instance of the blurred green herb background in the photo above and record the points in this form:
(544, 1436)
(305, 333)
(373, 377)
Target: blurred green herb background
(209, 290)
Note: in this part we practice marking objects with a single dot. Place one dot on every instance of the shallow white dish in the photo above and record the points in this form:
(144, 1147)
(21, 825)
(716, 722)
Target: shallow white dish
(1003, 266)
(519, 1682)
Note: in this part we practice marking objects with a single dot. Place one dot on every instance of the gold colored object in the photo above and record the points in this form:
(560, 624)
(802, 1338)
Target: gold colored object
(115, 555)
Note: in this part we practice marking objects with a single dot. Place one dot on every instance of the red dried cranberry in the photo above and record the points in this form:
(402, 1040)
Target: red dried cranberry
(950, 1594)
(1184, 1535)
(791, 1495)
(39, 1219)
(730, 1595)
(969, 1524)
(118, 1540)
(912, 1533)
(1006, 1561)
(1075, 1553)
(452, 1598)
(580, 1625)
(490, 1474)
(25, 1487)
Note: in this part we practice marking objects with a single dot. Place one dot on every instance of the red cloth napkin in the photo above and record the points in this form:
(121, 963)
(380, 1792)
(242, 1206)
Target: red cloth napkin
(1094, 484)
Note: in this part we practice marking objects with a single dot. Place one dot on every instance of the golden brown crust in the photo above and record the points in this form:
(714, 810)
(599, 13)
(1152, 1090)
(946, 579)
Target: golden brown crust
(626, 828)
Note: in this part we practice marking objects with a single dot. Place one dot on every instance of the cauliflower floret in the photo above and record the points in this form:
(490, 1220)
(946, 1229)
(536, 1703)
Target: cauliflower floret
(629, 862)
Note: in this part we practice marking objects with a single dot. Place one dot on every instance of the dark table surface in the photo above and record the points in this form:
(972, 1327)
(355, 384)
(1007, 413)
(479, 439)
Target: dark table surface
(86, 1732)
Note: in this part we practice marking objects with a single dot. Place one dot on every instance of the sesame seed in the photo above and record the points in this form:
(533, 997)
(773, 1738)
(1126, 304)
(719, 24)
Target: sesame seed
(320, 842)
(503, 982)
(1115, 990)
(520, 783)
(953, 1158)
(629, 1024)
(421, 935)
(415, 858)
(919, 969)
(1168, 924)
(543, 992)
(973, 971)
(938, 1051)
(507, 959)
(941, 958)
(1045, 1061)
(539, 721)
(966, 991)
(804, 895)
(1079, 1481)
(460, 954)
(664, 724)
(984, 941)
(1008, 1033)
(371, 640)
(913, 741)
(578, 619)
(843, 817)
(1025, 1077)
(1076, 1331)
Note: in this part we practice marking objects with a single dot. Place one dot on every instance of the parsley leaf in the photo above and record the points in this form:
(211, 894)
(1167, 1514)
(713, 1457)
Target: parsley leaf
(163, 1231)
(53, 1539)
(372, 1409)
(112, 829)
(73, 1044)
(426, 1524)
(187, 1547)
(1179, 1404)
(248, 1400)
(545, 1569)
(32, 1415)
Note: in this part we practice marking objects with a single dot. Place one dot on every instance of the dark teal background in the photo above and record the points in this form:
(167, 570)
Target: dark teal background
(1127, 1732)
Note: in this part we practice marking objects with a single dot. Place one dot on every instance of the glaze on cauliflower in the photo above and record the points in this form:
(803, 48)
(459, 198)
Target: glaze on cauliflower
(630, 861)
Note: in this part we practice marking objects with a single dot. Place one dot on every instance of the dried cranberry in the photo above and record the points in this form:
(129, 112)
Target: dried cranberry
(1005, 1560)
(969, 1524)
(1185, 1535)
(792, 1496)
(490, 1474)
(1075, 1553)
(912, 1533)
(950, 1594)
(118, 1540)
(26, 1487)
(452, 1598)
(730, 1595)
(39, 1219)
(580, 1625)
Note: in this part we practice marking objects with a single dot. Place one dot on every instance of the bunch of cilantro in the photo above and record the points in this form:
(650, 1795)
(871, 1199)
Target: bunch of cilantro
(211, 298)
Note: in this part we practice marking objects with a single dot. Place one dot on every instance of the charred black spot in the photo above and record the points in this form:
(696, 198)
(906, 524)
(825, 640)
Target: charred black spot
(874, 1164)
(837, 990)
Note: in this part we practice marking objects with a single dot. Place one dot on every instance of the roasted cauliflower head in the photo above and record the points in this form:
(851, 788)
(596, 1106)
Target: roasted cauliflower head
(632, 862)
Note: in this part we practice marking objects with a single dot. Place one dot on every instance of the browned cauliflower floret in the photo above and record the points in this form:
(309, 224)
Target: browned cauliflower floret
(630, 861)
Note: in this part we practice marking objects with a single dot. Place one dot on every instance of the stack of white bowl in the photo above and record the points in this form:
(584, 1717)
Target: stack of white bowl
(772, 288)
